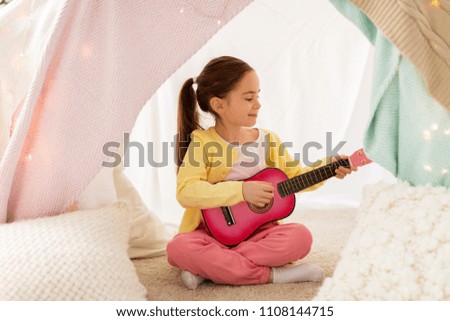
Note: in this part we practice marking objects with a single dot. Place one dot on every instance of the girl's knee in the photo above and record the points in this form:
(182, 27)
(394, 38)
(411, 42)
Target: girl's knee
(305, 235)
(301, 240)
(175, 249)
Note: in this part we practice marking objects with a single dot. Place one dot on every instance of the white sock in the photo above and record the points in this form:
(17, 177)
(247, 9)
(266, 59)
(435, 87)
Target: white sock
(299, 273)
(191, 281)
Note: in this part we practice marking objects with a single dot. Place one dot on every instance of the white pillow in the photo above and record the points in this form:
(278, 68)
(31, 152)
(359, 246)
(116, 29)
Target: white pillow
(400, 248)
(73, 256)
(148, 235)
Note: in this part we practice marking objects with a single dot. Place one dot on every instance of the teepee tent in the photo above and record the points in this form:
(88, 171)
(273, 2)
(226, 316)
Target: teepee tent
(290, 56)
(86, 83)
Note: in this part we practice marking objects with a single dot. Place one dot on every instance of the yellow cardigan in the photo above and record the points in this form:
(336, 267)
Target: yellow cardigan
(207, 163)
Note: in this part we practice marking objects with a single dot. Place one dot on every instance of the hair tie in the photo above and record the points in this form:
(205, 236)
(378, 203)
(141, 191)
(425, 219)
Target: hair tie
(194, 79)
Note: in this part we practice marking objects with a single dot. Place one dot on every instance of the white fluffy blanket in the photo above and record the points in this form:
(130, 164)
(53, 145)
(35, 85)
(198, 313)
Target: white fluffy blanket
(400, 248)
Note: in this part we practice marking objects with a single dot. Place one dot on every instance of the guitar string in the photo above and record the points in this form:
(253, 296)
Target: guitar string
(289, 188)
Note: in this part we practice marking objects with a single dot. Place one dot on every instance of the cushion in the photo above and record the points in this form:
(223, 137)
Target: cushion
(80, 255)
(148, 236)
(400, 248)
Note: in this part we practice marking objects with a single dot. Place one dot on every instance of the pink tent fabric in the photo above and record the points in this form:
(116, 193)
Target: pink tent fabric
(103, 60)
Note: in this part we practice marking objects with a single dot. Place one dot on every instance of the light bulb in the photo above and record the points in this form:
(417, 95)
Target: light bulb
(427, 168)
(86, 51)
(434, 126)
(436, 3)
(426, 134)
(444, 171)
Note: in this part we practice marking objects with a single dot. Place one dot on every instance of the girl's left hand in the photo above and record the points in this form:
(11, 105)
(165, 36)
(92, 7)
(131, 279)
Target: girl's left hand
(342, 171)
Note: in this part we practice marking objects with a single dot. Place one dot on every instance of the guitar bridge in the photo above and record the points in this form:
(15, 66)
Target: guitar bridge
(228, 215)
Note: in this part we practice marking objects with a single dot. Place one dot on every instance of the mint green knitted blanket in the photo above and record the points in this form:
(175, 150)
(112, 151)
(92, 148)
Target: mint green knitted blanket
(408, 132)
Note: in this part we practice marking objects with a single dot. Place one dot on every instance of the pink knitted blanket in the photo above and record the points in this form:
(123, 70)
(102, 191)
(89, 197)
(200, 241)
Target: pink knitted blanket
(102, 61)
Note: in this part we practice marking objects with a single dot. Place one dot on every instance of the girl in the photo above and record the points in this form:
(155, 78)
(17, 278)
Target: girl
(211, 166)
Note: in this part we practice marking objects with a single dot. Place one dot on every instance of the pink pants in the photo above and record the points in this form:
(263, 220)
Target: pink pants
(246, 263)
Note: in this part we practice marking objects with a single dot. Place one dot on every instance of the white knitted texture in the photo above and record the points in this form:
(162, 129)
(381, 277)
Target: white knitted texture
(421, 32)
(75, 256)
(399, 250)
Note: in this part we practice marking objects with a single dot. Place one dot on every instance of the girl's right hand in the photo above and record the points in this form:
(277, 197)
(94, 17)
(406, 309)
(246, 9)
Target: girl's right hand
(257, 193)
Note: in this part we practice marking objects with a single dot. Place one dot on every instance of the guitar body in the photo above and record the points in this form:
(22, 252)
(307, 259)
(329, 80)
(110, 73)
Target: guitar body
(231, 225)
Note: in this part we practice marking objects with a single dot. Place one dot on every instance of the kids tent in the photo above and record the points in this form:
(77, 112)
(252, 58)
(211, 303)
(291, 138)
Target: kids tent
(76, 74)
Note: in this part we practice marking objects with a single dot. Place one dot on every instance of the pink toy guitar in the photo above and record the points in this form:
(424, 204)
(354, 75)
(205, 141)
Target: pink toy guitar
(231, 225)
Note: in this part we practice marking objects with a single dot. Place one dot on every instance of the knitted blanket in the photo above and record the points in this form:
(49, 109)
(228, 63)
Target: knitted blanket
(420, 29)
(82, 83)
(409, 131)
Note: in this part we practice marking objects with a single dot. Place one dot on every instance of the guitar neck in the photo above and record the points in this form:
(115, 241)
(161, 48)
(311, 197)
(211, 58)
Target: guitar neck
(301, 182)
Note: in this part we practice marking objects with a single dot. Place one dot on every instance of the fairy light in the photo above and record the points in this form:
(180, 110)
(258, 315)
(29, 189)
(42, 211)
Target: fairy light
(427, 168)
(447, 131)
(198, 10)
(434, 126)
(86, 51)
(444, 171)
(436, 3)
(426, 134)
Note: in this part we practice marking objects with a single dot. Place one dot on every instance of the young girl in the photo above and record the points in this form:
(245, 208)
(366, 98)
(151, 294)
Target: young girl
(212, 164)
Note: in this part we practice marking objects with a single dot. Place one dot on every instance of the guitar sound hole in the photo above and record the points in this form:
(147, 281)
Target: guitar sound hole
(261, 210)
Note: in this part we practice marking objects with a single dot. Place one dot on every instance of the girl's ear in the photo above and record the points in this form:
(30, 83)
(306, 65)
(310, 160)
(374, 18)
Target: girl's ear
(216, 105)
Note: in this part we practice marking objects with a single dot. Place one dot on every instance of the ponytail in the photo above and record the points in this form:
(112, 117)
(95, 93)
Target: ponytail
(188, 119)
(217, 79)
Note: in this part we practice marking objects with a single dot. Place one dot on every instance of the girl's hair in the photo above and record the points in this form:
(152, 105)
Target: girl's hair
(217, 79)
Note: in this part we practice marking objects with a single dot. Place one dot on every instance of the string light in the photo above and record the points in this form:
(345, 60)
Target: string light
(426, 134)
(436, 3)
(198, 10)
(86, 51)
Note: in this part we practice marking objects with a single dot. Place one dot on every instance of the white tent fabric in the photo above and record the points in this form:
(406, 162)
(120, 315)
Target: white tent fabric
(96, 64)
(315, 69)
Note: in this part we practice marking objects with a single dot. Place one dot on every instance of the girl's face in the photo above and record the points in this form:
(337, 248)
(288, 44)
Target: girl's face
(241, 106)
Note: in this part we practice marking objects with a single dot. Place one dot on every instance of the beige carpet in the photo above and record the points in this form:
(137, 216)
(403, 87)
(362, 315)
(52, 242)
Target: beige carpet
(330, 229)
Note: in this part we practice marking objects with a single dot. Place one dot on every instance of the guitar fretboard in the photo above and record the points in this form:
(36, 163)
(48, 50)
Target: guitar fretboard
(301, 182)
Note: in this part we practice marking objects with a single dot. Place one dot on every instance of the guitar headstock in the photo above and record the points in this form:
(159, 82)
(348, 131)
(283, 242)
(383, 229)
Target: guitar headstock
(359, 158)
